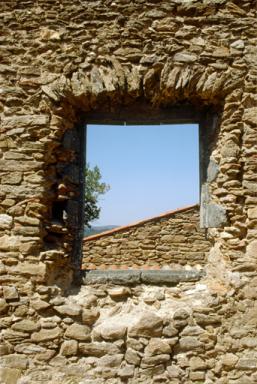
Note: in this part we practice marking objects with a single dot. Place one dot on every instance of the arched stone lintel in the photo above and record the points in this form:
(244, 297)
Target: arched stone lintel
(171, 83)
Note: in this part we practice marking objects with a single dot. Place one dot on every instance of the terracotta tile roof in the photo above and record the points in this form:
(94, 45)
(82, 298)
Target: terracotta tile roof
(139, 223)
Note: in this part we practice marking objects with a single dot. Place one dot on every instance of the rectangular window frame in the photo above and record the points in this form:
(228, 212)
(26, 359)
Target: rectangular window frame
(206, 118)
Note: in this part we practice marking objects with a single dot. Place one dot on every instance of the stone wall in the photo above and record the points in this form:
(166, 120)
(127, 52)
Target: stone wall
(171, 240)
(133, 334)
(61, 62)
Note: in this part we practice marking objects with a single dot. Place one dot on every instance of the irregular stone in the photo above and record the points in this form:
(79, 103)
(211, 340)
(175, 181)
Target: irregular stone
(250, 292)
(37, 272)
(3, 306)
(26, 326)
(252, 213)
(194, 330)
(78, 332)
(46, 334)
(247, 364)
(12, 178)
(106, 373)
(151, 297)
(231, 149)
(69, 309)
(148, 324)
(98, 349)
(196, 363)
(157, 346)
(110, 360)
(50, 322)
(135, 344)
(174, 371)
(197, 375)
(250, 116)
(9, 375)
(25, 230)
(126, 371)
(189, 343)
(11, 122)
(5, 349)
(58, 300)
(69, 348)
(185, 57)
(169, 331)
(152, 371)
(39, 305)
(244, 379)
(28, 248)
(28, 221)
(22, 310)
(2, 268)
(10, 293)
(204, 320)
(119, 292)
(238, 44)
(5, 221)
(90, 301)
(15, 336)
(249, 342)
(20, 166)
(154, 360)
(111, 331)
(181, 314)
(29, 349)
(89, 316)
(128, 52)
(47, 355)
(14, 361)
(250, 186)
(6, 322)
(132, 357)
(9, 243)
(251, 250)
(220, 52)
(229, 360)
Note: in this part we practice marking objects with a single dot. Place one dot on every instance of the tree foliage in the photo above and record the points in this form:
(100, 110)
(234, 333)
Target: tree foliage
(94, 188)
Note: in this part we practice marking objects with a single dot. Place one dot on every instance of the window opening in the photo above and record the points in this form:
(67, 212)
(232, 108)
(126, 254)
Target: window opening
(211, 215)
(160, 164)
(151, 169)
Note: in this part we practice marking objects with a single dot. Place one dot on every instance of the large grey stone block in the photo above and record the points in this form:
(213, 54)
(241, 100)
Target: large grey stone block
(215, 216)
(114, 277)
(131, 277)
(169, 277)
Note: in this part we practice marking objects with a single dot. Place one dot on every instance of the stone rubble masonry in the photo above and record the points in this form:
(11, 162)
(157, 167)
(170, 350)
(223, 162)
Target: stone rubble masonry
(171, 240)
(61, 62)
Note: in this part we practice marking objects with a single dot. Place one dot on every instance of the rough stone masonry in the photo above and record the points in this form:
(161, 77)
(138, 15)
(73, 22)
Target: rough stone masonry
(62, 60)
(169, 241)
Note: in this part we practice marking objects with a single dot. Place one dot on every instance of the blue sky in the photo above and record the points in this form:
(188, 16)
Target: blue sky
(151, 169)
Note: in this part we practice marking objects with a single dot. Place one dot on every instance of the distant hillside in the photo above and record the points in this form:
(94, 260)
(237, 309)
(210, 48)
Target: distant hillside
(94, 230)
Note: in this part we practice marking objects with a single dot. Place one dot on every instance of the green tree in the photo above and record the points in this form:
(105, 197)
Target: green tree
(94, 188)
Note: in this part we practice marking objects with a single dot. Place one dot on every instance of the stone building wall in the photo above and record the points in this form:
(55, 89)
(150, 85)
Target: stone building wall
(61, 61)
(132, 334)
(170, 240)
